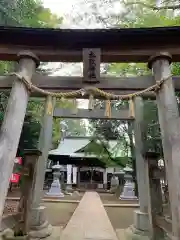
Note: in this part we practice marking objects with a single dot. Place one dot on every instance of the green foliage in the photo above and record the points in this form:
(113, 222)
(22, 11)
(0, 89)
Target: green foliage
(29, 13)
(145, 13)
(26, 13)
(30, 134)
(76, 127)
(106, 130)
(128, 69)
(101, 148)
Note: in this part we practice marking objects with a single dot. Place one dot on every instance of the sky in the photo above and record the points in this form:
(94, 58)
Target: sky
(70, 9)
(60, 7)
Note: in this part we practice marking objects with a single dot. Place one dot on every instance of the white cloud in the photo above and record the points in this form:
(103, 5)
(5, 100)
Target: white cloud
(60, 7)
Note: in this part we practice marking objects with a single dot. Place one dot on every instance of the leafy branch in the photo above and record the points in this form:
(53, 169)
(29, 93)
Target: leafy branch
(155, 8)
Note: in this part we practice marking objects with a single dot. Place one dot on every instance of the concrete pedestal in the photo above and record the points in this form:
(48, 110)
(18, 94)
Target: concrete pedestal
(141, 220)
(140, 229)
(114, 184)
(40, 228)
(69, 188)
(134, 234)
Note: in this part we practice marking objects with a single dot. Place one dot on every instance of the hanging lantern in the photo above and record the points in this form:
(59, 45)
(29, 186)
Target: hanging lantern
(49, 107)
(108, 108)
(74, 108)
(91, 102)
(131, 108)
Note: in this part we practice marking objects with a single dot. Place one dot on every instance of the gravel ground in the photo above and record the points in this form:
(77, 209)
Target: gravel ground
(112, 199)
(120, 217)
(66, 197)
(59, 213)
(10, 207)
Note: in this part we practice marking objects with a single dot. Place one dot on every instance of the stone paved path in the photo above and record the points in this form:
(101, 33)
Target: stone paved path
(89, 221)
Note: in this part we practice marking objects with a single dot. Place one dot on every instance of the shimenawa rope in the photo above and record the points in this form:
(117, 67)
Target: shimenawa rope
(89, 90)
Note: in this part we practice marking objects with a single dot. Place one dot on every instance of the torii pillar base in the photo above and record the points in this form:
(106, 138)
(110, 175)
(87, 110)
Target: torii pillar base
(41, 227)
(133, 233)
(140, 228)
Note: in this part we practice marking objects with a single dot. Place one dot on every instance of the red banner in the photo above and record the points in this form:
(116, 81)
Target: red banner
(15, 176)
(18, 160)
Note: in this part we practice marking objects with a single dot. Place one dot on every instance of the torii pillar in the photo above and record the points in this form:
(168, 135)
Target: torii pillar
(13, 121)
(142, 225)
(39, 226)
(168, 113)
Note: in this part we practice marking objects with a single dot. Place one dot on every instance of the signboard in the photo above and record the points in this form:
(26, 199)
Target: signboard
(91, 65)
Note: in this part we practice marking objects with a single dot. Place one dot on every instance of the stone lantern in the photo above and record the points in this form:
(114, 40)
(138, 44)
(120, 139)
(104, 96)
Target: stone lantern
(55, 190)
(128, 192)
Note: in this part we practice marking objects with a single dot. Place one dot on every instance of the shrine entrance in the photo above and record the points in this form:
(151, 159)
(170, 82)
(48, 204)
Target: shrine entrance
(92, 47)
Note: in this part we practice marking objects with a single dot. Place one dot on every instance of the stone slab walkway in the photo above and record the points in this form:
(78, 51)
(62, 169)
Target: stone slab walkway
(89, 221)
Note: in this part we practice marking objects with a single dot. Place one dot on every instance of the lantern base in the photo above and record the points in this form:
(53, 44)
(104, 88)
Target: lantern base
(55, 190)
(128, 192)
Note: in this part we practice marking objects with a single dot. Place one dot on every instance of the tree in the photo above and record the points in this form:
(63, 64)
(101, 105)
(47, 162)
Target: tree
(132, 14)
(104, 152)
(162, 6)
(26, 13)
(103, 131)
(30, 134)
(145, 13)
(76, 127)
(29, 13)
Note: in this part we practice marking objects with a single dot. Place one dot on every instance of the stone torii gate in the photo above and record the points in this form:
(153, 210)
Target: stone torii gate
(92, 47)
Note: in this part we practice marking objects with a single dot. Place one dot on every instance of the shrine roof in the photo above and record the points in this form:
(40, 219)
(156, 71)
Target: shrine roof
(73, 147)
(69, 146)
(130, 40)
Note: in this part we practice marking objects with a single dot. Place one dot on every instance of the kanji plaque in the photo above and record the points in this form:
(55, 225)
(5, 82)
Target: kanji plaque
(91, 65)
